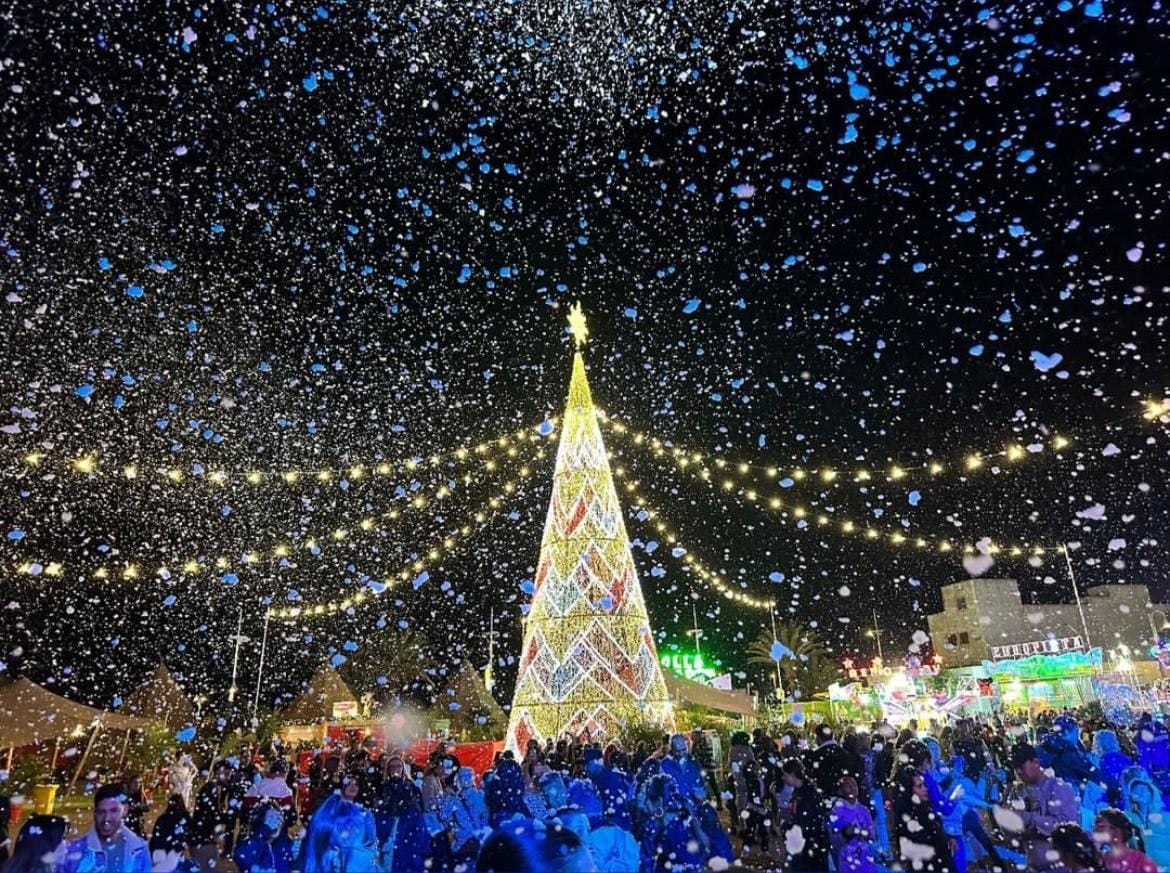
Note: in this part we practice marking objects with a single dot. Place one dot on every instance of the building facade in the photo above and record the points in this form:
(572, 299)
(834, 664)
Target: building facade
(986, 620)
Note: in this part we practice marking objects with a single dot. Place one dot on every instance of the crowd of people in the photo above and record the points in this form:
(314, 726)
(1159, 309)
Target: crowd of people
(1054, 795)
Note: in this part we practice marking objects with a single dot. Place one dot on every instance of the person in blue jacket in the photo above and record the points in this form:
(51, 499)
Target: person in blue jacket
(610, 776)
(1111, 762)
(268, 848)
(1061, 752)
(1153, 746)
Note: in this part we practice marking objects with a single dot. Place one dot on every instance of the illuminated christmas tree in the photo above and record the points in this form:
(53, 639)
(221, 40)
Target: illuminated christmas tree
(588, 662)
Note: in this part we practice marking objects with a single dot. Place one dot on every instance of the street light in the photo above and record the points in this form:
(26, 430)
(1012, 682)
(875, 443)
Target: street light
(876, 633)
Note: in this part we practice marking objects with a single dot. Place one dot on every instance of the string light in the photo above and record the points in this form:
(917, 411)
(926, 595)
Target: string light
(687, 459)
(311, 542)
(411, 570)
(710, 577)
(1156, 409)
(499, 447)
(777, 506)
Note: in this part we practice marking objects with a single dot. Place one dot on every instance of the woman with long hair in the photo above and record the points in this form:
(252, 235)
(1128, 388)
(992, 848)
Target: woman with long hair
(1116, 834)
(40, 846)
(342, 835)
(172, 830)
(402, 833)
(922, 842)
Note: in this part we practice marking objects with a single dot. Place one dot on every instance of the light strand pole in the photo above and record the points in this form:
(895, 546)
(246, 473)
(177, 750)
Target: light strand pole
(1077, 596)
(877, 635)
(698, 633)
(236, 658)
(260, 672)
(779, 678)
(488, 679)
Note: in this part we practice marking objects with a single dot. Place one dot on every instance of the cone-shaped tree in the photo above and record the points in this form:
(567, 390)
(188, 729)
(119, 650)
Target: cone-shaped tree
(588, 662)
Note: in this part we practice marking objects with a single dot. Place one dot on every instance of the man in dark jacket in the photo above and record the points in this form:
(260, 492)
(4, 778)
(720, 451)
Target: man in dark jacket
(828, 762)
(136, 806)
(216, 809)
(808, 834)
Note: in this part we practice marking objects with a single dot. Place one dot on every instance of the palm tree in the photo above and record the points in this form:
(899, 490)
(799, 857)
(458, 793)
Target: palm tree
(805, 665)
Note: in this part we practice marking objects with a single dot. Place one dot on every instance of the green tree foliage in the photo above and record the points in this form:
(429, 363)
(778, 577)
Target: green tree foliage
(806, 668)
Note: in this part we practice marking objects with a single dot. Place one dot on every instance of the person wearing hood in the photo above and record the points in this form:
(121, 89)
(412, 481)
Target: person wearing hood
(559, 809)
(1111, 762)
(181, 776)
(1061, 752)
(1153, 745)
(1143, 806)
(466, 814)
(267, 848)
(851, 830)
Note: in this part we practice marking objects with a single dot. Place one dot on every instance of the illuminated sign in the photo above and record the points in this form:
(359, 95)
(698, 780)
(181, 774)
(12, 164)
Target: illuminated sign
(1039, 667)
(688, 666)
(1037, 647)
(876, 670)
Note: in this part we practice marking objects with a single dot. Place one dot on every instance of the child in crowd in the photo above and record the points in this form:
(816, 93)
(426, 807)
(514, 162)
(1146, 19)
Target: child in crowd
(1115, 833)
(851, 830)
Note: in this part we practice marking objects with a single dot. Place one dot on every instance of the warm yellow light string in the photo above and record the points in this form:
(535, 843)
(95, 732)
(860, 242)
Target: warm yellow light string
(687, 459)
(711, 577)
(132, 569)
(1157, 410)
(821, 520)
(411, 570)
(90, 465)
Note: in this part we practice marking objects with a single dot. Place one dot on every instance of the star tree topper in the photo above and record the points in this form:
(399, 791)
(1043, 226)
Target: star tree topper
(577, 325)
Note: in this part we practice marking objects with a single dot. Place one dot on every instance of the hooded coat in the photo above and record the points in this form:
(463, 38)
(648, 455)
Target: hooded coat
(1144, 807)
(1111, 762)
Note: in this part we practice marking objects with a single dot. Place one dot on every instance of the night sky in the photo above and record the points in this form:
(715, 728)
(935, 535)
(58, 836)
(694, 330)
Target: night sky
(259, 237)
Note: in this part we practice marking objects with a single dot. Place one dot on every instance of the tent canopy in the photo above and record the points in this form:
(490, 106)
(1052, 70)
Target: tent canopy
(30, 713)
(160, 698)
(471, 700)
(315, 703)
(696, 693)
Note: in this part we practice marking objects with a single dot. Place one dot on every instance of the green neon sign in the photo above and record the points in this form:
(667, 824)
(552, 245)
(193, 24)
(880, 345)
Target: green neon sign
(688, 666)
(1036, 667)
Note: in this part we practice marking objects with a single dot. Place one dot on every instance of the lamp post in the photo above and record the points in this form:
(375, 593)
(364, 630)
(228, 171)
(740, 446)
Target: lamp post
(489, 680)
(239, 638)
(779, 678)
(1155, 636)
(260, 672)
(876, 633)
(1077, 597)
(698, 634)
